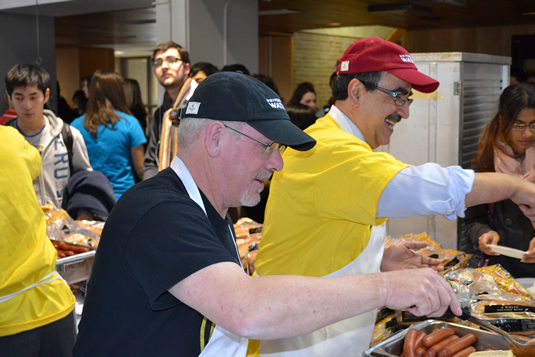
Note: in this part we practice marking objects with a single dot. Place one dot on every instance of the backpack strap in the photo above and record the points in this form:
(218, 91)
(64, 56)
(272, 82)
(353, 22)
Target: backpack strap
(66, 134)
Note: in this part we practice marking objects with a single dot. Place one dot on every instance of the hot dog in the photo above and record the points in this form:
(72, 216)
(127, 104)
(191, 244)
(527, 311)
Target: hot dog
(457, 346)
(419, 352)
(410, 340)
(466, 352)
(76, 249)
(437, 336)
(419, 339)
(433, 350)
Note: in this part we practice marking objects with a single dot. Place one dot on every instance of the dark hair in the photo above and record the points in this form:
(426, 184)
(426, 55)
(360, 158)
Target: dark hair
(79, 96)
(106, 95)
(164, 46)
(519, 74)
(268, 81)
(512, 101)
(23, 75)
(340, 83)
(237, 67)
(206, 67)
(301, 115)
(300, 91)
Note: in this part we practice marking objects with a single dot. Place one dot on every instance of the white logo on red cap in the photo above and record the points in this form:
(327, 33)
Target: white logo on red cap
(406, 58)
(275, 103)
(193, 108)
(344, 66)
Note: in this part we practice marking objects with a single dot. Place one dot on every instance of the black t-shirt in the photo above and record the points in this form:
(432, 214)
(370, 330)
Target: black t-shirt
(154, 237)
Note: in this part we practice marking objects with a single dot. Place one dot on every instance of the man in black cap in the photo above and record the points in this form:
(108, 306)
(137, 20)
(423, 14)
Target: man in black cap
(167, 279)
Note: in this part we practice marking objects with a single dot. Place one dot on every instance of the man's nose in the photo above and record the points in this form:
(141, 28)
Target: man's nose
(403, 111)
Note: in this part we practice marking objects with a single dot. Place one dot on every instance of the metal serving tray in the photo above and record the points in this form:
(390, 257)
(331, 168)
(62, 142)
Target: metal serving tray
(76, 268)
(393, 346)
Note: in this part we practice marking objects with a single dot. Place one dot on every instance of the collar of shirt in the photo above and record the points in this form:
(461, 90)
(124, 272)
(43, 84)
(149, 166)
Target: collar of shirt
(345, 123)
(185, 176)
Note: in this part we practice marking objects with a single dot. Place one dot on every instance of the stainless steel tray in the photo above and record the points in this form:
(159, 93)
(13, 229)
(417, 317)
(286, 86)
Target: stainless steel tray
(77, 267)
(393, 346)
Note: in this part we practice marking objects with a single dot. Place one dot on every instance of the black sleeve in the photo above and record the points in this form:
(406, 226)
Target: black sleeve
(477, 223)
(150, 164)
(172, 241)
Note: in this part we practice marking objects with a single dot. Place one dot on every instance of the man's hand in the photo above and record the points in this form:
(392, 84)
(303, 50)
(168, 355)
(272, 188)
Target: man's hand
(530, 254)
(400, 256)
(486, 239)
(422, 291)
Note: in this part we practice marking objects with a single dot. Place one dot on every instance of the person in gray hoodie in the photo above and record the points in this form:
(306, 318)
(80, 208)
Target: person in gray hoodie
(27, 86)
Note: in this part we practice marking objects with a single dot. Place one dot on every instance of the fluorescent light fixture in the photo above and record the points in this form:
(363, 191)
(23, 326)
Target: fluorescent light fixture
(277, 12)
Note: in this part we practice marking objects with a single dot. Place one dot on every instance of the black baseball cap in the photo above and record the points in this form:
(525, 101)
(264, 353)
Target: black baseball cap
(231, 96)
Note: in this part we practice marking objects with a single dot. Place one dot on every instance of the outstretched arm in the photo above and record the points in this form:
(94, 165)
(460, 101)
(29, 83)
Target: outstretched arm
(271, 307)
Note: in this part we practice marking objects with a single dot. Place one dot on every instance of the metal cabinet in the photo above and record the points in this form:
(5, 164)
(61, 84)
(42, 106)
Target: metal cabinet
(444, 127)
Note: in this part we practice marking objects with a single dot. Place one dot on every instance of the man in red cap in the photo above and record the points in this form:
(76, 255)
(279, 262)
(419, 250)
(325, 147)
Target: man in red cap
(326, 209)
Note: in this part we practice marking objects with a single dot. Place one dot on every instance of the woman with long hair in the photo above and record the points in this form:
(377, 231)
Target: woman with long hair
(507, 145)
(304, 94)
(113, 137)
(134, 102)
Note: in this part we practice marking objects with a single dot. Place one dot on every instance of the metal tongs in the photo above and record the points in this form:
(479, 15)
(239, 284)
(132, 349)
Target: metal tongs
(513, 343)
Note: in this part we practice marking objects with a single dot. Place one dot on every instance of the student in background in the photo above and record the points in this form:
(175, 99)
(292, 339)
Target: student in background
(28, 88)
(507, 145)
(134, 102)
(201, 70)
(305, 94)
(113, 137)
(171, 65)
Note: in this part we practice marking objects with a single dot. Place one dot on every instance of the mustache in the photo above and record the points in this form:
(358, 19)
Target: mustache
(395, 117)
(264, 176)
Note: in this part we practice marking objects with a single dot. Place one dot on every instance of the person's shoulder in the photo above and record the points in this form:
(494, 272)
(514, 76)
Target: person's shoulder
(78, 122)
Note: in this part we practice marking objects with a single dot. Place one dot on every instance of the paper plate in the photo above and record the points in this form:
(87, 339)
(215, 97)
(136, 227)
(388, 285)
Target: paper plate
(508, 252)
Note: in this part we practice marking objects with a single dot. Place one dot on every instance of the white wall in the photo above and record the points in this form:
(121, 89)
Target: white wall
(199, 25)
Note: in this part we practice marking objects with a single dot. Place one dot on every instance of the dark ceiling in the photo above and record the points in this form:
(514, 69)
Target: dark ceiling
(405, 14)
(131, 23)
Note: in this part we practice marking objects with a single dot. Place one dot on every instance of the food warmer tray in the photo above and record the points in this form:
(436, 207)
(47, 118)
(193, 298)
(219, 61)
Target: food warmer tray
(77, 267)
(393, 345)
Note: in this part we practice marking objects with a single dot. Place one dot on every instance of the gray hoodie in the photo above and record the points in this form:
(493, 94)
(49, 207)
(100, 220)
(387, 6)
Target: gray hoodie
(55, 173)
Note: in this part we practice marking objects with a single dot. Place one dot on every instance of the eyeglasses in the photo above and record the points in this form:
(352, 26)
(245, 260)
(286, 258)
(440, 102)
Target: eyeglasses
(398, 99)
(270, 148)
(169, 60)
(522, 127)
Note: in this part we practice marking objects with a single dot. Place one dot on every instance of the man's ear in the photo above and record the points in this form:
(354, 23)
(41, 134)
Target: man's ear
(354, 91)
(187, 69)
(47, 94)
(212, 140)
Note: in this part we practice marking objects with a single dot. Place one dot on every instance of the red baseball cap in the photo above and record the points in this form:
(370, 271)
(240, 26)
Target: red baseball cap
(373, 54)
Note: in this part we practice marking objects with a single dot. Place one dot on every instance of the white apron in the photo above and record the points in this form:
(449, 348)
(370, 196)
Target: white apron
(222, 342)
(350, 337)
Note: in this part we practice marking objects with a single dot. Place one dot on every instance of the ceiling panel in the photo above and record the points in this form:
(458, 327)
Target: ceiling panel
(131, 23)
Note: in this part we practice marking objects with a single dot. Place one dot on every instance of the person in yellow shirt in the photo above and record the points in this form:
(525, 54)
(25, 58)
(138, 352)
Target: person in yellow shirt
(36, 305)
(326, 208)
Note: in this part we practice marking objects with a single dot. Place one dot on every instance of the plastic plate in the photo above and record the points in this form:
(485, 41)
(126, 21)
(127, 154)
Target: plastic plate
(508, 252)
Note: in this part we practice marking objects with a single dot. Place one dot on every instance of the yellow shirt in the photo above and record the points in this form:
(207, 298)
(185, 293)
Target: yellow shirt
(323, 204)
(26, 253)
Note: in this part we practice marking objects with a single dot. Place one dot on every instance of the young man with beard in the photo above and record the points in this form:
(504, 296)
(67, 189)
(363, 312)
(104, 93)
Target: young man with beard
(167, 279)
(326, 208)
(171, 65)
